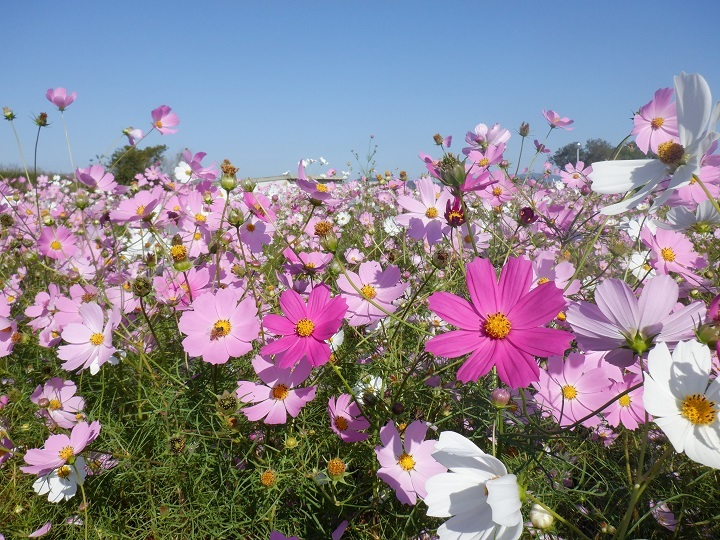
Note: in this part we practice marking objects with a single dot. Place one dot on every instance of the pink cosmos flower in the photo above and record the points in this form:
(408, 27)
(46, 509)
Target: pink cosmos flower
(672, 252)
(571, 389)
(60, 98)
(60, 449)
(346, 420)
(58, 402)
(656, 122)
(193, 161)
(628, 410)
(133, 135)
(89, 342)
(405, 465)
(57, 243)
(315, 190)
(424, 217)
(218, 327)
(503, 326)
(380, 287)
(279, 396)
(164, 120)
(136, 211)
(500, 191)
(483, 137)
(626, 326)
(97, 178)
(305, 328)
(555, 121)
(575, 176)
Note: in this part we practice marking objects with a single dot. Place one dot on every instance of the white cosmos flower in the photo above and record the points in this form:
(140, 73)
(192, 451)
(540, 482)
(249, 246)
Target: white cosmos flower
(479, 494)
(682, 219)
(183, 172)
(680, 161)
(685, 407)
(61, 484)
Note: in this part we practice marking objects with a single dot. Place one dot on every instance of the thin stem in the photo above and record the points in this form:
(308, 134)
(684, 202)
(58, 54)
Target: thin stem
(67, 138)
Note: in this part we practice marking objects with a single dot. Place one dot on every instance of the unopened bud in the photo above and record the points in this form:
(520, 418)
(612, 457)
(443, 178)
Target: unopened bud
(8, 114)
(235, 217)
(142, 286)
(500, 397)
(438, 139)
(329, 242)
(248, 184)
(524, 130)
(540, 518)
(440, 259)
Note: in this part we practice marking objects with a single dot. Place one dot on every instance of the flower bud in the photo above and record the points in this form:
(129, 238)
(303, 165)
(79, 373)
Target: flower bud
(142, 286)
(41, 120)
(82, 200)
(44, 403)
(524, 130)
(709, 334)
(49, 221)
(235, 217)
(329, 242)
(440, 259)
(540, 518)
(527, 215)
(438, 139)
(8, 114)
(248, 184)
(228, 182)
(500, 397)
(398, 408)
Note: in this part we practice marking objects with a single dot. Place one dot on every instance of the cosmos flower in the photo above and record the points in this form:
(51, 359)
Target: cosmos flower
(380, 287)
(503, 326)
(656, 122)
(279, 395)
(218, 327)
(305, 328)
(346, 420)
(684, 401)
(556, 121)
(90, 341)
(480, 497)
(57, 243)
(407, 463)
(60, 98)
(625, 326)
(58, 402)
(164, 120)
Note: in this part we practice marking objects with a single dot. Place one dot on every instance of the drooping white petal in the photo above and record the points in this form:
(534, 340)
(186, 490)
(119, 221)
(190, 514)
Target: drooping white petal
(504, 499)
(694, 106)
(611, 177)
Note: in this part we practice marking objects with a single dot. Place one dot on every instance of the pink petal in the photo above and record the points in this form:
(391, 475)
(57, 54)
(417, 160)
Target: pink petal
(455, 310)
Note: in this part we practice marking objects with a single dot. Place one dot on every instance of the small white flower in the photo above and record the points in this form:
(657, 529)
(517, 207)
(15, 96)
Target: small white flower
(342, 218)
(391, 227)
(183, 172)
(61, 484)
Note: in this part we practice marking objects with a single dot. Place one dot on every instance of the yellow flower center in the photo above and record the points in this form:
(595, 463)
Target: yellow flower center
(569, 392)
(497, 326)
(250, 227)
(55, 245)
(67, 452)
(670, 153)
(322, 188)
(158, 124)
(54, 405)
(201, 218)
(178, 253)
(431, 212)
(497, 191)
(220, 329)
(561, 316)
(336, 467)
(280, 392)
(64, 471)
(322, 228)
(368, 291)
(576, 176)
(406, 461)
(657, 123)
(484, 162)
(625, 401)
(542, 280)
(341, 423)
(467, 239)
(667, 254)
(97, 339)
(698, 409)
(267, 479)
(140, 210)
(304, 327)
(197, 236)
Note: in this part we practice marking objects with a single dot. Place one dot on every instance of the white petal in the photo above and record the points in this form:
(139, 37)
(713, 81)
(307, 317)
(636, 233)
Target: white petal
(694, 106)
(450, 494)
(504, 499)
(611, 177)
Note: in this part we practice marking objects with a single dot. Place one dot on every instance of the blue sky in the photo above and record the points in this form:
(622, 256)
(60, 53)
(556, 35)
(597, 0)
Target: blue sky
(266, 83)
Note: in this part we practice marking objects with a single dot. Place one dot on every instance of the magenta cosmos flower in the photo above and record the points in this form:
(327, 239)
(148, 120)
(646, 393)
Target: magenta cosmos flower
(405, 465)
(279, 395)
(380, 288)
(89, 342)
(218, 327)
(305, 328)
(57, 243)
(626, 326)
(164, 120)
(503, 326)
(60, 98)
(346, 420)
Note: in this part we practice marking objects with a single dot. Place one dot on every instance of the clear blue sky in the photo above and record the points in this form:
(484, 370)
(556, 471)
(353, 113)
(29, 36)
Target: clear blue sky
(265, 83)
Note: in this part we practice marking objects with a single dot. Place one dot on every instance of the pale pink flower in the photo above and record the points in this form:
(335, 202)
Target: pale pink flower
(90, 342)
(164, 120)
(58, 402)
(556, 121)
(346, 420)
(656, 122)
(60, 98)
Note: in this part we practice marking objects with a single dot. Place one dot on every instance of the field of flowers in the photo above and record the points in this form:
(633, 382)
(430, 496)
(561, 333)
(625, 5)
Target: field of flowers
(479, 353)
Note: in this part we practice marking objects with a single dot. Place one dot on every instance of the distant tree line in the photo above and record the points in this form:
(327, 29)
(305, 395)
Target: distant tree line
(595, 150)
